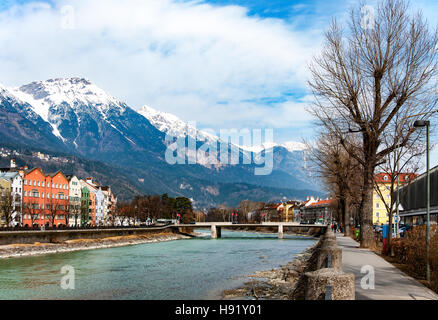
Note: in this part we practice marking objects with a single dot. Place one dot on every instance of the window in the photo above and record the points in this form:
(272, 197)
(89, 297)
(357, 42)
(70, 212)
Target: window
(385, 177)
(42, 184)
(24, 193)
(377, 214)
(377, 205)
(38, 183)
(42, 194)
(61, 196)
(34, 183)
(25, 182)
(35, 194)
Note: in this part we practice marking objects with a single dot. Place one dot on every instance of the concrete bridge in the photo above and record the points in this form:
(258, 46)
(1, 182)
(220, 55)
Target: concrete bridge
(216, 227)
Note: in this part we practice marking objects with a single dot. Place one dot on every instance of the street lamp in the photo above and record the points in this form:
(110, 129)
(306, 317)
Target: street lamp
(421, 124)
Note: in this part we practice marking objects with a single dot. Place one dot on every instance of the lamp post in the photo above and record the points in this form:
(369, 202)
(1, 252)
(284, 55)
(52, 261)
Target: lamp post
(420, 124)
(397, 215)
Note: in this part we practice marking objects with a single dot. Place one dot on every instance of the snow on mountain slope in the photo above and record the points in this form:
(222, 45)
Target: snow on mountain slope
(55, 98)
(290, 146)
(174, 126)
(71, 91)
(89, 120)
(52, 98)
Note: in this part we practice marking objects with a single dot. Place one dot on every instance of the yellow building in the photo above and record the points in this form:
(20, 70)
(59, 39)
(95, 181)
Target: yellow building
(380, 214)
(289, 210)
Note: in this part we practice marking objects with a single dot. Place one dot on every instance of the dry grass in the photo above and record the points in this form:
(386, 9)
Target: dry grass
(410, 255)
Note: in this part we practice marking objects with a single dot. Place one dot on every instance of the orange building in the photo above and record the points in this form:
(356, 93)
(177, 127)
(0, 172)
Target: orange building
(45, 198)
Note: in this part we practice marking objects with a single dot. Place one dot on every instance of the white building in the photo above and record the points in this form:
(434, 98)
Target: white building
(16, 182)
(99, 213)
(74, 199)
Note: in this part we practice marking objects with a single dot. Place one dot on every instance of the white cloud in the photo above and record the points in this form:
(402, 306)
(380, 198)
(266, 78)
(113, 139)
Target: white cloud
(178, 57)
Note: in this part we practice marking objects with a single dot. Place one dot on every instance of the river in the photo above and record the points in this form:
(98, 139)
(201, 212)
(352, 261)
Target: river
(199, 268)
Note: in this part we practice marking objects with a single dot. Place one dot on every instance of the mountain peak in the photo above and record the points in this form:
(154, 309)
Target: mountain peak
(68, 90)
(172, 125)
(290, 146)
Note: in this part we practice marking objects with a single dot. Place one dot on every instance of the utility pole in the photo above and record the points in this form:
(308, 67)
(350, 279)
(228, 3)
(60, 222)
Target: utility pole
(398, 194)
(427, 204)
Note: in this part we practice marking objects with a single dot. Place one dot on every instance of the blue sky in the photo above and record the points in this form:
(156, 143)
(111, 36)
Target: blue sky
(221, 63)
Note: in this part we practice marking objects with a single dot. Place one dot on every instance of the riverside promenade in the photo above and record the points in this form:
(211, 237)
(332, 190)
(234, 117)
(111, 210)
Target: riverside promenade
(390, 282)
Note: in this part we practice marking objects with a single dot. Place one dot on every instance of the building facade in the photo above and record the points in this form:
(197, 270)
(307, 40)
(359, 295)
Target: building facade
(383, 189)
(14, 183)
(320, 211)
(413, 199)
(74, 199)
(45, 198)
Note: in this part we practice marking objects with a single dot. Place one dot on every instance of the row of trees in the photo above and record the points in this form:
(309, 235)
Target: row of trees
(157, 207)
(53, 209)
(239, 214)
(373, 79)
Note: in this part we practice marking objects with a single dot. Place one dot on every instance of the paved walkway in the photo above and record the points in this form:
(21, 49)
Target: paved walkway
(390, 282)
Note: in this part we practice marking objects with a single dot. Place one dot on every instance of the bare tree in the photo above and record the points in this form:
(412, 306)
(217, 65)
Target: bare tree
(32, 209)
(55, 207)
(247, 206)
(369, 74)
(7, 206)
(339, 172)
(75, 211)
(404, 159)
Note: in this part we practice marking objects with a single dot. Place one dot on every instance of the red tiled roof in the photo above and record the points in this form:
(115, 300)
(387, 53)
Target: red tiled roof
(403, 177)
(322, 203)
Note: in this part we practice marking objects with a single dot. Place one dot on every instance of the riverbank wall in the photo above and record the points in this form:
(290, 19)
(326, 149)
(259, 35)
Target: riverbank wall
(59, 236)
(322, 277)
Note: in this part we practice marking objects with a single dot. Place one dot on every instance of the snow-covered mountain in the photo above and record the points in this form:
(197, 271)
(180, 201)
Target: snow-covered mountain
(89, 120)
(174, 126)
(54, 98)
(290, 146)
(75, 117)
(289, 157)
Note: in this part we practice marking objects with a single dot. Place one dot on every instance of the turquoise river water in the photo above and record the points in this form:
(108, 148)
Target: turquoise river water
(199, 268)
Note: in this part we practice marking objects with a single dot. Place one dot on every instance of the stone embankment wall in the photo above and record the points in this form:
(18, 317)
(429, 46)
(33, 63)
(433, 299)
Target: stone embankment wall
(57, 236)
(323, 278)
